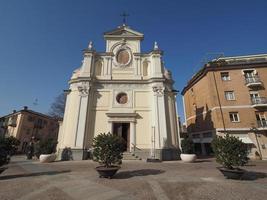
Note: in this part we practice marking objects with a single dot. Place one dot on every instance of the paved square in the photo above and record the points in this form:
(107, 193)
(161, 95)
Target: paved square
(31, 180)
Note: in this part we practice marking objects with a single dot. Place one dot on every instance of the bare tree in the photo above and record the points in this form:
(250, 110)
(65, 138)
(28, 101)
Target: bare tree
(57, 108)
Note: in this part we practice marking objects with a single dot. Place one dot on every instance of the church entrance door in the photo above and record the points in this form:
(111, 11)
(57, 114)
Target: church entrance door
(123, 130)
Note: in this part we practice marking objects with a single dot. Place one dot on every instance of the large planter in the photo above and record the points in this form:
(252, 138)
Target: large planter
(2, 169)
(188, 157)
(46, 158)
(232, 173)
(107, 172)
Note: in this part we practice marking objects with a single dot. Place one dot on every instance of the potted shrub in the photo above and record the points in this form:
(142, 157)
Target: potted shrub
(231, 153)
(187, 154)
(47, 150)
(107, 150)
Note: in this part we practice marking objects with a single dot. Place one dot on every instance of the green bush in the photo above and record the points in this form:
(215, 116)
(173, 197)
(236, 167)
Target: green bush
(187, 146)
(230, 151)
(108, 149)
(10, 144)
(47, 146)
(3, 157)
(8, 147)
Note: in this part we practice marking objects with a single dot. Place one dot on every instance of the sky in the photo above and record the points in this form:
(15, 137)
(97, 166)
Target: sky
(41, 41)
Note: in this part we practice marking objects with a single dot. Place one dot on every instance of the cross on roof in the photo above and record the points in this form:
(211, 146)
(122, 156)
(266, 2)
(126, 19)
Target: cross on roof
(124, 15)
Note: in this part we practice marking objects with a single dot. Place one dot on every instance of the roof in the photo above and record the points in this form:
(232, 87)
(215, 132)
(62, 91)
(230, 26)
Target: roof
(125, 32)
(232, 62)
(31, 112)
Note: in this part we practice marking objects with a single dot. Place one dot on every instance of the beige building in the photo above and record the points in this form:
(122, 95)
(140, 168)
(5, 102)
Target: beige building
(123, 91)
(228, 95)
(25, 124)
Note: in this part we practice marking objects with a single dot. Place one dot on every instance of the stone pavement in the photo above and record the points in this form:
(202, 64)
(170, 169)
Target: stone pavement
(31, 180)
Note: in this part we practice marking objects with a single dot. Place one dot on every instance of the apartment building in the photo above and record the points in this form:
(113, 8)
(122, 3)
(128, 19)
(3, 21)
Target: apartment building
(228, 95)
(25, 124)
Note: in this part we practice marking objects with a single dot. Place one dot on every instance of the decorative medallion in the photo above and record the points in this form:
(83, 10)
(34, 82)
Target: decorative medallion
(122, 98)
(122, 57)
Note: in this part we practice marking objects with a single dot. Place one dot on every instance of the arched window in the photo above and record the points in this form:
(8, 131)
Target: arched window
(98, 68)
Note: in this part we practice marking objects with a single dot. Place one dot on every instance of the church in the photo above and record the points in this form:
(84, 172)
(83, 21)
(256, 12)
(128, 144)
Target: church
(123, 91)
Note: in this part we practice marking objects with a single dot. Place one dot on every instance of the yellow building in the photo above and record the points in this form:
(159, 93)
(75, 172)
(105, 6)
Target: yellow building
(123, 91)
(25, 124)
(228, 95)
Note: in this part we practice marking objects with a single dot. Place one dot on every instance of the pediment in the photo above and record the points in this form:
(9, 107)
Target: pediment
(123, 31)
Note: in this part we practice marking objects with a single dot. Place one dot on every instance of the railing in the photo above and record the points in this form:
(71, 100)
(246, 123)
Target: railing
(135, 147)
(258, 100)
(254, 79)
(262, 123)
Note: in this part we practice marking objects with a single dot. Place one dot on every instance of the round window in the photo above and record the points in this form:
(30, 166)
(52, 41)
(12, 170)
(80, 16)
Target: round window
(122, 98)
(123, 56)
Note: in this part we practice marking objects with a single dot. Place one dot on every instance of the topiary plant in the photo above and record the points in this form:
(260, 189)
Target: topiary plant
(48, 146)
(108, 149)
(187, 146)
(230, 151)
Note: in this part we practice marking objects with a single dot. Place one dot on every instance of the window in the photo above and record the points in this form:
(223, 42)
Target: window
(249, 73)
(225, 76)
(234, 117)
(229, 95)
(30, 118)
(254, 95)
(196, 135)
(207, 135)
(261, 119)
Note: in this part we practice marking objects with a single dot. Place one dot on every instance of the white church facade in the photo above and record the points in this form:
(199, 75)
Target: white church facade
(125, 92)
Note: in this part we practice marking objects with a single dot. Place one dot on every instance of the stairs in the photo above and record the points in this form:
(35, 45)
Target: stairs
(130, 156)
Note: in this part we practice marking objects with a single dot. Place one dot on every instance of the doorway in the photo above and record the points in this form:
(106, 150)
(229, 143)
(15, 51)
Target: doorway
(123, 130)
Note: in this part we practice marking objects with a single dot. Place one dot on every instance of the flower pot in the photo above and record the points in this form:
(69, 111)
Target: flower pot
(107, 172)
(2, 169)
(46, 158)
(232, 173)
(188, 157)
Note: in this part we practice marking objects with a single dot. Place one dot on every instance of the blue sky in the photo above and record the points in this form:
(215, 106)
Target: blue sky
(41, 40)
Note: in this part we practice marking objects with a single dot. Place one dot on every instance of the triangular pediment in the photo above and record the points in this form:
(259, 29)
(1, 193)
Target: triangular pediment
(123, 31)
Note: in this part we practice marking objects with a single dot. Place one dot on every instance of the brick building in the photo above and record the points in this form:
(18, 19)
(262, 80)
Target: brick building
(228, 95)
(25, 124)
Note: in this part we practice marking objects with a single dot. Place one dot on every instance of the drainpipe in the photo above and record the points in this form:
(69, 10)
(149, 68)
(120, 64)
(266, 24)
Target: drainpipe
(219, 101)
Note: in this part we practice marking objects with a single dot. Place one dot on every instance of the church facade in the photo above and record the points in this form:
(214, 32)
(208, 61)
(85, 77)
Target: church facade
(125, 92)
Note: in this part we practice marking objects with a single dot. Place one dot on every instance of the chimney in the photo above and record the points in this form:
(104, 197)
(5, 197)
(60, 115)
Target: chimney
(14, 111)
(25, 107)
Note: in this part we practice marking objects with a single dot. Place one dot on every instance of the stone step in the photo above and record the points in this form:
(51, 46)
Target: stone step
(130, 156)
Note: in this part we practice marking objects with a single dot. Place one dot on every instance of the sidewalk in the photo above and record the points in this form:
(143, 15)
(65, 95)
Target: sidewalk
(31, 180)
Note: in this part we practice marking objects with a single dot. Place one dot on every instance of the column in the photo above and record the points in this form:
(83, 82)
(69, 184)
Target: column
(161, 126)
(83, 89)
(132, 136)
(110, 125)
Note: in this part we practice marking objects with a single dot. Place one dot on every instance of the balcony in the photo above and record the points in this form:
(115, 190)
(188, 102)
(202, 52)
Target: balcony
(254, 81)
(262, 123)
(258, 102)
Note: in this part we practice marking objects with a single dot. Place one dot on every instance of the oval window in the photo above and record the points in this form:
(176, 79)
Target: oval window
(122, 98)
(123, 56)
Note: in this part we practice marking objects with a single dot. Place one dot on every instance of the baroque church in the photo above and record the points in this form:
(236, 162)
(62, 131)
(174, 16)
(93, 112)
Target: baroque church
(125, 92)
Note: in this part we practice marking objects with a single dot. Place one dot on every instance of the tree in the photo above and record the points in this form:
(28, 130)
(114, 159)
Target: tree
(57, 108)
(230, 151)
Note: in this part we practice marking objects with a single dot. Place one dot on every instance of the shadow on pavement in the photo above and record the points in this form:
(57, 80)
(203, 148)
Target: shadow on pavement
(201, 161)
(141, 172)
(251, 175)
(33, 174)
